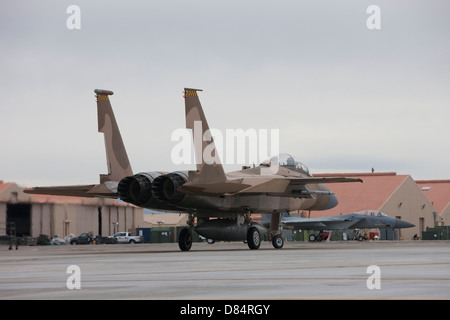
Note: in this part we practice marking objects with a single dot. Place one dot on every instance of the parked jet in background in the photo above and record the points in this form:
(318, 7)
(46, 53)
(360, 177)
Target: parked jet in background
(278, 185)
(368, 219)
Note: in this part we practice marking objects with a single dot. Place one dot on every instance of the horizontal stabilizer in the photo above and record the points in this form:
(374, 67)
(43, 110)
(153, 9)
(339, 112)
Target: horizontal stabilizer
(86, 191)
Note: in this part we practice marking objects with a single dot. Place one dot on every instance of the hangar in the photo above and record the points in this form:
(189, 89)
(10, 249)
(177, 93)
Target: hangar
(398, 196)
(438, 192)
(33, 215)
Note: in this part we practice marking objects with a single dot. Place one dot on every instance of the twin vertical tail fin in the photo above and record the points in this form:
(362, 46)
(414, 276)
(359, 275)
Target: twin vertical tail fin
(116, 155)
(209, 167)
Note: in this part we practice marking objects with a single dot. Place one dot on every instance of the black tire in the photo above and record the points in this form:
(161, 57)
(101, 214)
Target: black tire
(185, 240)
(278, 241)
(319, 238)
(132, 241)
(253, 238)
(312, 237)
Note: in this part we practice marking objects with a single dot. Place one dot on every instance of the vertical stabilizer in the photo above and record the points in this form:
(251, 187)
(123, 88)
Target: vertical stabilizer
(116, 155)
(209, 167)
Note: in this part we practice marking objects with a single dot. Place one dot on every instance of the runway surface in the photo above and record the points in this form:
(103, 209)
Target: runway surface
(328, 270)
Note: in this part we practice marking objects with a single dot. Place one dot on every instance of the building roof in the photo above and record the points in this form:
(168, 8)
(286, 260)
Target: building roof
(437, 192)
(4, 185)
(370, 195)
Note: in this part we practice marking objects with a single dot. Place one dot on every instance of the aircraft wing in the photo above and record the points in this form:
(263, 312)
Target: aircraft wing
(259, 184)
(328, 223)
(349, 221)
(312, 180)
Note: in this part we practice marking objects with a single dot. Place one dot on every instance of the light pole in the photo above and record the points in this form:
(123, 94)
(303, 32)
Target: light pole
(115, 224)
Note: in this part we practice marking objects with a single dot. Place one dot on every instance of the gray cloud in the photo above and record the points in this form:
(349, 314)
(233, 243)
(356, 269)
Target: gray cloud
(342, 96)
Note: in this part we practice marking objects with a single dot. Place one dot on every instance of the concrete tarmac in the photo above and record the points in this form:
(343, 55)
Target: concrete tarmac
(327, 270)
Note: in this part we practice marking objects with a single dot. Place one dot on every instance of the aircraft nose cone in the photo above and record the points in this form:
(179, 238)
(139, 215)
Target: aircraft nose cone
(403, 224)
(332, 202)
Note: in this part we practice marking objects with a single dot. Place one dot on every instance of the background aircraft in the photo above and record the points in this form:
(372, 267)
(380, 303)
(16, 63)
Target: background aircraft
(368, 219)
(277, 185)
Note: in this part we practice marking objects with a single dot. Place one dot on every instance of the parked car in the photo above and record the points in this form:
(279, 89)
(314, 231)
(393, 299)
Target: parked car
(126, 237)
(84, 238)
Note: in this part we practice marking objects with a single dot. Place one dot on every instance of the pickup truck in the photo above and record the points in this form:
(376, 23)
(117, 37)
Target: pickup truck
(126, 237)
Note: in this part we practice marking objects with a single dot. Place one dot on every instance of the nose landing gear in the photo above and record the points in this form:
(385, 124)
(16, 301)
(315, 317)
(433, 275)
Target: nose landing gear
(275, 231)
(278, 241)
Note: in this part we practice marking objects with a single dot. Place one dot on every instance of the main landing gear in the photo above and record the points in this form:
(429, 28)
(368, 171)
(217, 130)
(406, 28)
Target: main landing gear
(253, 238)
(185, 236)
(185, 240)
(239, 229)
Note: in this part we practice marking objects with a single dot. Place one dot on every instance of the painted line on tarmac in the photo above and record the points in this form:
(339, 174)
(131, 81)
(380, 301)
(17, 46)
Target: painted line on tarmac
(190, 271)
(228, 279)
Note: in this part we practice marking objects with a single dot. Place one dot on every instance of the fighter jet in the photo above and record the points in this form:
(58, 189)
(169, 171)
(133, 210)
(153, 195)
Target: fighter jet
(368, 219)
(275, 186)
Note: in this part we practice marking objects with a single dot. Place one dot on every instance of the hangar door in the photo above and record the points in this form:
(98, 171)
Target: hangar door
(19, 214)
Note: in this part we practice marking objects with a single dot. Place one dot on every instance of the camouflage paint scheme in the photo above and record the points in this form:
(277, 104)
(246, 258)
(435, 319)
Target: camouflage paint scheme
(207, 191)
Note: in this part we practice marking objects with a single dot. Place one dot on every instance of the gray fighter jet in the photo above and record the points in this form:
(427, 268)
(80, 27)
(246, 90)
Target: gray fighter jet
(277, 185)
(368, 219)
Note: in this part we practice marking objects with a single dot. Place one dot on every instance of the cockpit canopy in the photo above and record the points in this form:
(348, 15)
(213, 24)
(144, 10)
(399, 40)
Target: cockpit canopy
(287, 161)
(374, 213)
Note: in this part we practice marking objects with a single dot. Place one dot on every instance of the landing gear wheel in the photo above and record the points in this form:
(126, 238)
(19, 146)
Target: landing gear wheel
(185, 240)
(253, 238)
(277, 241)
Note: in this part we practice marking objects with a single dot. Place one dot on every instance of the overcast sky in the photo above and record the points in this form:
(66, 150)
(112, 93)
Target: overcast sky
(344, 98)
